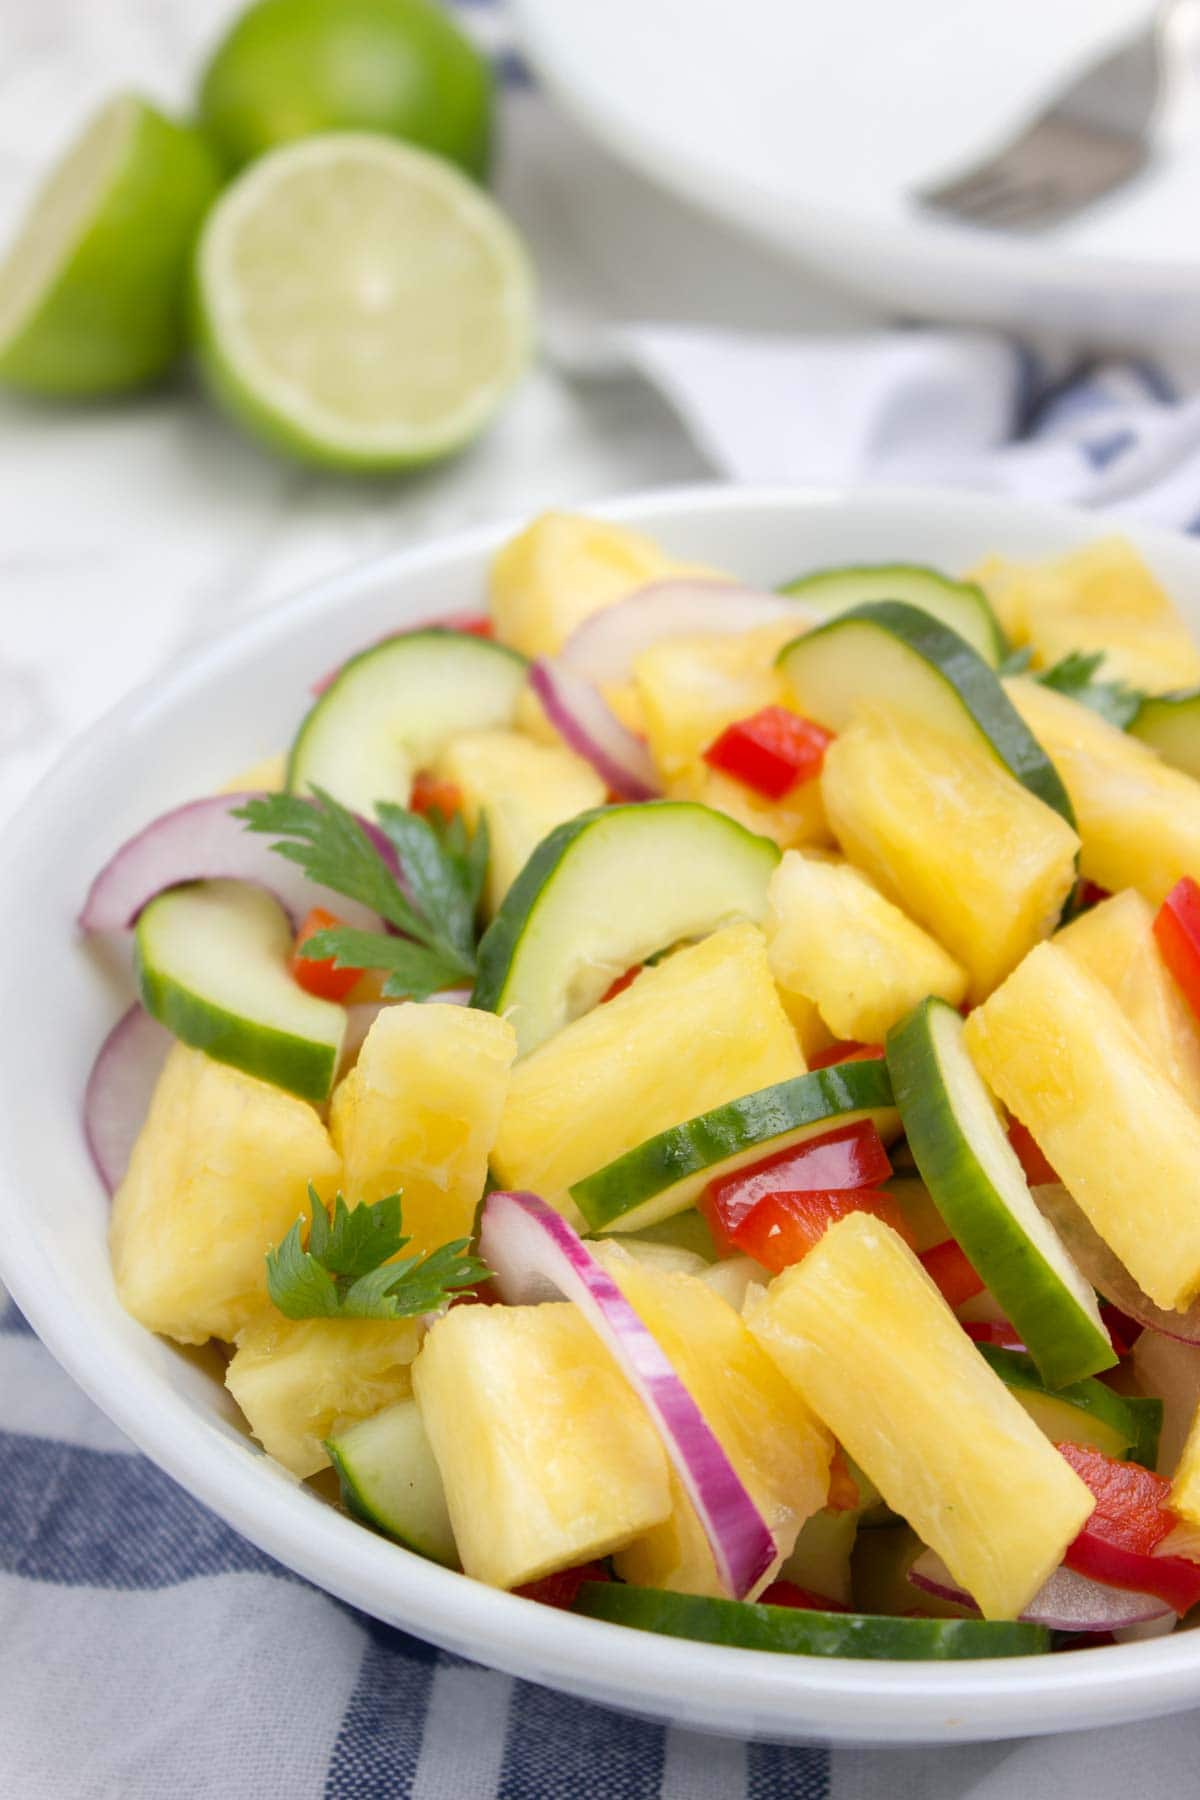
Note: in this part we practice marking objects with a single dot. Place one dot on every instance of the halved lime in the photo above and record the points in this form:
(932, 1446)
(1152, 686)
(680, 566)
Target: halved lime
(361, 303)
(93, 290)
(288, 68)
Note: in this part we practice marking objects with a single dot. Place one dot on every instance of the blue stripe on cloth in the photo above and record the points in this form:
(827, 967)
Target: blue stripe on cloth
(512, 71)
(776, 1772)
(1101, 451)
(105, 1519)
(561, 1747)
(13, 1322)
(375, 1756)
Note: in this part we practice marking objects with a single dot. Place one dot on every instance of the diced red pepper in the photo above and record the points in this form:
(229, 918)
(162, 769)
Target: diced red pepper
(1123, 1330)
(431, 794)
(1091, 894)
(993, 1331)
(947, 1266)
(783, 1228)
(1038, 1172)
(562, 1588)
(1177, 931)
(845, 1052)
(475, 624)
(621, 983)
(320, 978)
(1131, 1519)
(843, 1495)
(772, 751)
(787, 1593)
(852, 1156)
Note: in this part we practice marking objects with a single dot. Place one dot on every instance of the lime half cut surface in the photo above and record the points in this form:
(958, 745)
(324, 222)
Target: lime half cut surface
(361, 303)
(93, 291)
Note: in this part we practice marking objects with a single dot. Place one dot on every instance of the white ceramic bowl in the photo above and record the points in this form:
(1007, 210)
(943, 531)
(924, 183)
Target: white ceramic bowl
(188, 732)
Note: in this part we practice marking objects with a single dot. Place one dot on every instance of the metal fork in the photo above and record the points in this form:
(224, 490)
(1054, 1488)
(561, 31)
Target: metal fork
(1097, 133)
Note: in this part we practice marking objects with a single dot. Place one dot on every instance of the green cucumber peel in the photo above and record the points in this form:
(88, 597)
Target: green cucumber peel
(962, 606)
(1123, 1426)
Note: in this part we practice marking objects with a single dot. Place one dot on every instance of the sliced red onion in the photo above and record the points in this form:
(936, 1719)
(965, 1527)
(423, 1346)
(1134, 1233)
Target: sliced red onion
(1106, 1272)
(117, 1097)
(588, 724)
(605, 646)
(202, 841)
(1067, 1602)
(536, 1255)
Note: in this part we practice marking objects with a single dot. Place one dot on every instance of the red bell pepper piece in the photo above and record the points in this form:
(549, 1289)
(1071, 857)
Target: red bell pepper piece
(787, 1593)
(846, 1052)
(562, 1588)
(621, 983)
(431, 794)
(772, 751)
(1038, 1172)
(1177, 931)
(852, 1156)
(320, 978)
(476, 624)
(993, 1331)
(1122, 1330)
(1131, 1518)
(947, 1266)
(783, 1228)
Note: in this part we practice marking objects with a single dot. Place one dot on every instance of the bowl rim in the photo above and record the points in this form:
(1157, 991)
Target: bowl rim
(771, 1696)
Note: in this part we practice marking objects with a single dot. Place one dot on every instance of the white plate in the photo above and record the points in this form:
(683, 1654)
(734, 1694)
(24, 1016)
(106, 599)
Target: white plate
(183, 735)
(810, 125)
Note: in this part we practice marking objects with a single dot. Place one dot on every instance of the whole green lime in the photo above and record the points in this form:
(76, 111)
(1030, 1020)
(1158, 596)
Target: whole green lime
(290, 68)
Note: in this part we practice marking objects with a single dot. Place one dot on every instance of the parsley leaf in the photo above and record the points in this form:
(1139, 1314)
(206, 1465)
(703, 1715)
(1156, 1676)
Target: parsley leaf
(435, 854)
(1075, 676)
(346, 1271)
(414, 972)
(332, 847)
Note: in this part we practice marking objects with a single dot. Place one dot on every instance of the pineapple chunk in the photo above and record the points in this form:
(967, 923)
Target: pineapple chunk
(1139, 821)
(700, 1028)
(862, 1332)
(1058, 1050)
(799, 818)
(952, 837)
(834, 940)
(523, 790)
(1102, 597)
(265, 777)
(300, 1381)
(563, 568)
(776, 1446)
(692, 688)
(547, 1455)
(1116, 942)
(219, 1173)
(418, 1112)
(1185, 1488)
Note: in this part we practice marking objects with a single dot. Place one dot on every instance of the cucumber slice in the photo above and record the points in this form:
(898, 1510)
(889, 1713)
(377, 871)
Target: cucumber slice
(389, 1478)
(1086, 1412)
(820, 1557)
(889, 652)
(667, 1173)
(607, 890)
(1170, 724)
(212, 965)
(879, 1566)
(979, 1188)
(960, 605)
(389, 711)
(792, 1632)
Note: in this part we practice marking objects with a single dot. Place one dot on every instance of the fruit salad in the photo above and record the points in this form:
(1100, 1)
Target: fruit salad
(687, 1096)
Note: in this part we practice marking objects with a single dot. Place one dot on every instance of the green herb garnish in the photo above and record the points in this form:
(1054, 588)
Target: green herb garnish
(1075, 676)
(346, 1272)
(433, 904)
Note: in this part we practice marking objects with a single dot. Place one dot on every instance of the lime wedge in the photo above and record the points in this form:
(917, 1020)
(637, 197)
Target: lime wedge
(93, 290)
(361, 303)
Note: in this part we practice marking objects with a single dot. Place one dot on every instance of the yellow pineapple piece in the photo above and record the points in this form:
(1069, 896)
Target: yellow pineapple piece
(563, 568)
(949, 835)
(692, 688)
(775, 1444)
(523, 790)
(799, 818)
(1056, 1047)
(1185, 1488)
(1104, 598)
(700, 1028)
(863, 1334)
(1139, 820)
(547, 1456)
(835, 941)
(418, 1113)
(265, 777)
(300, 1381)
(219, 1174)
(1116, 942)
